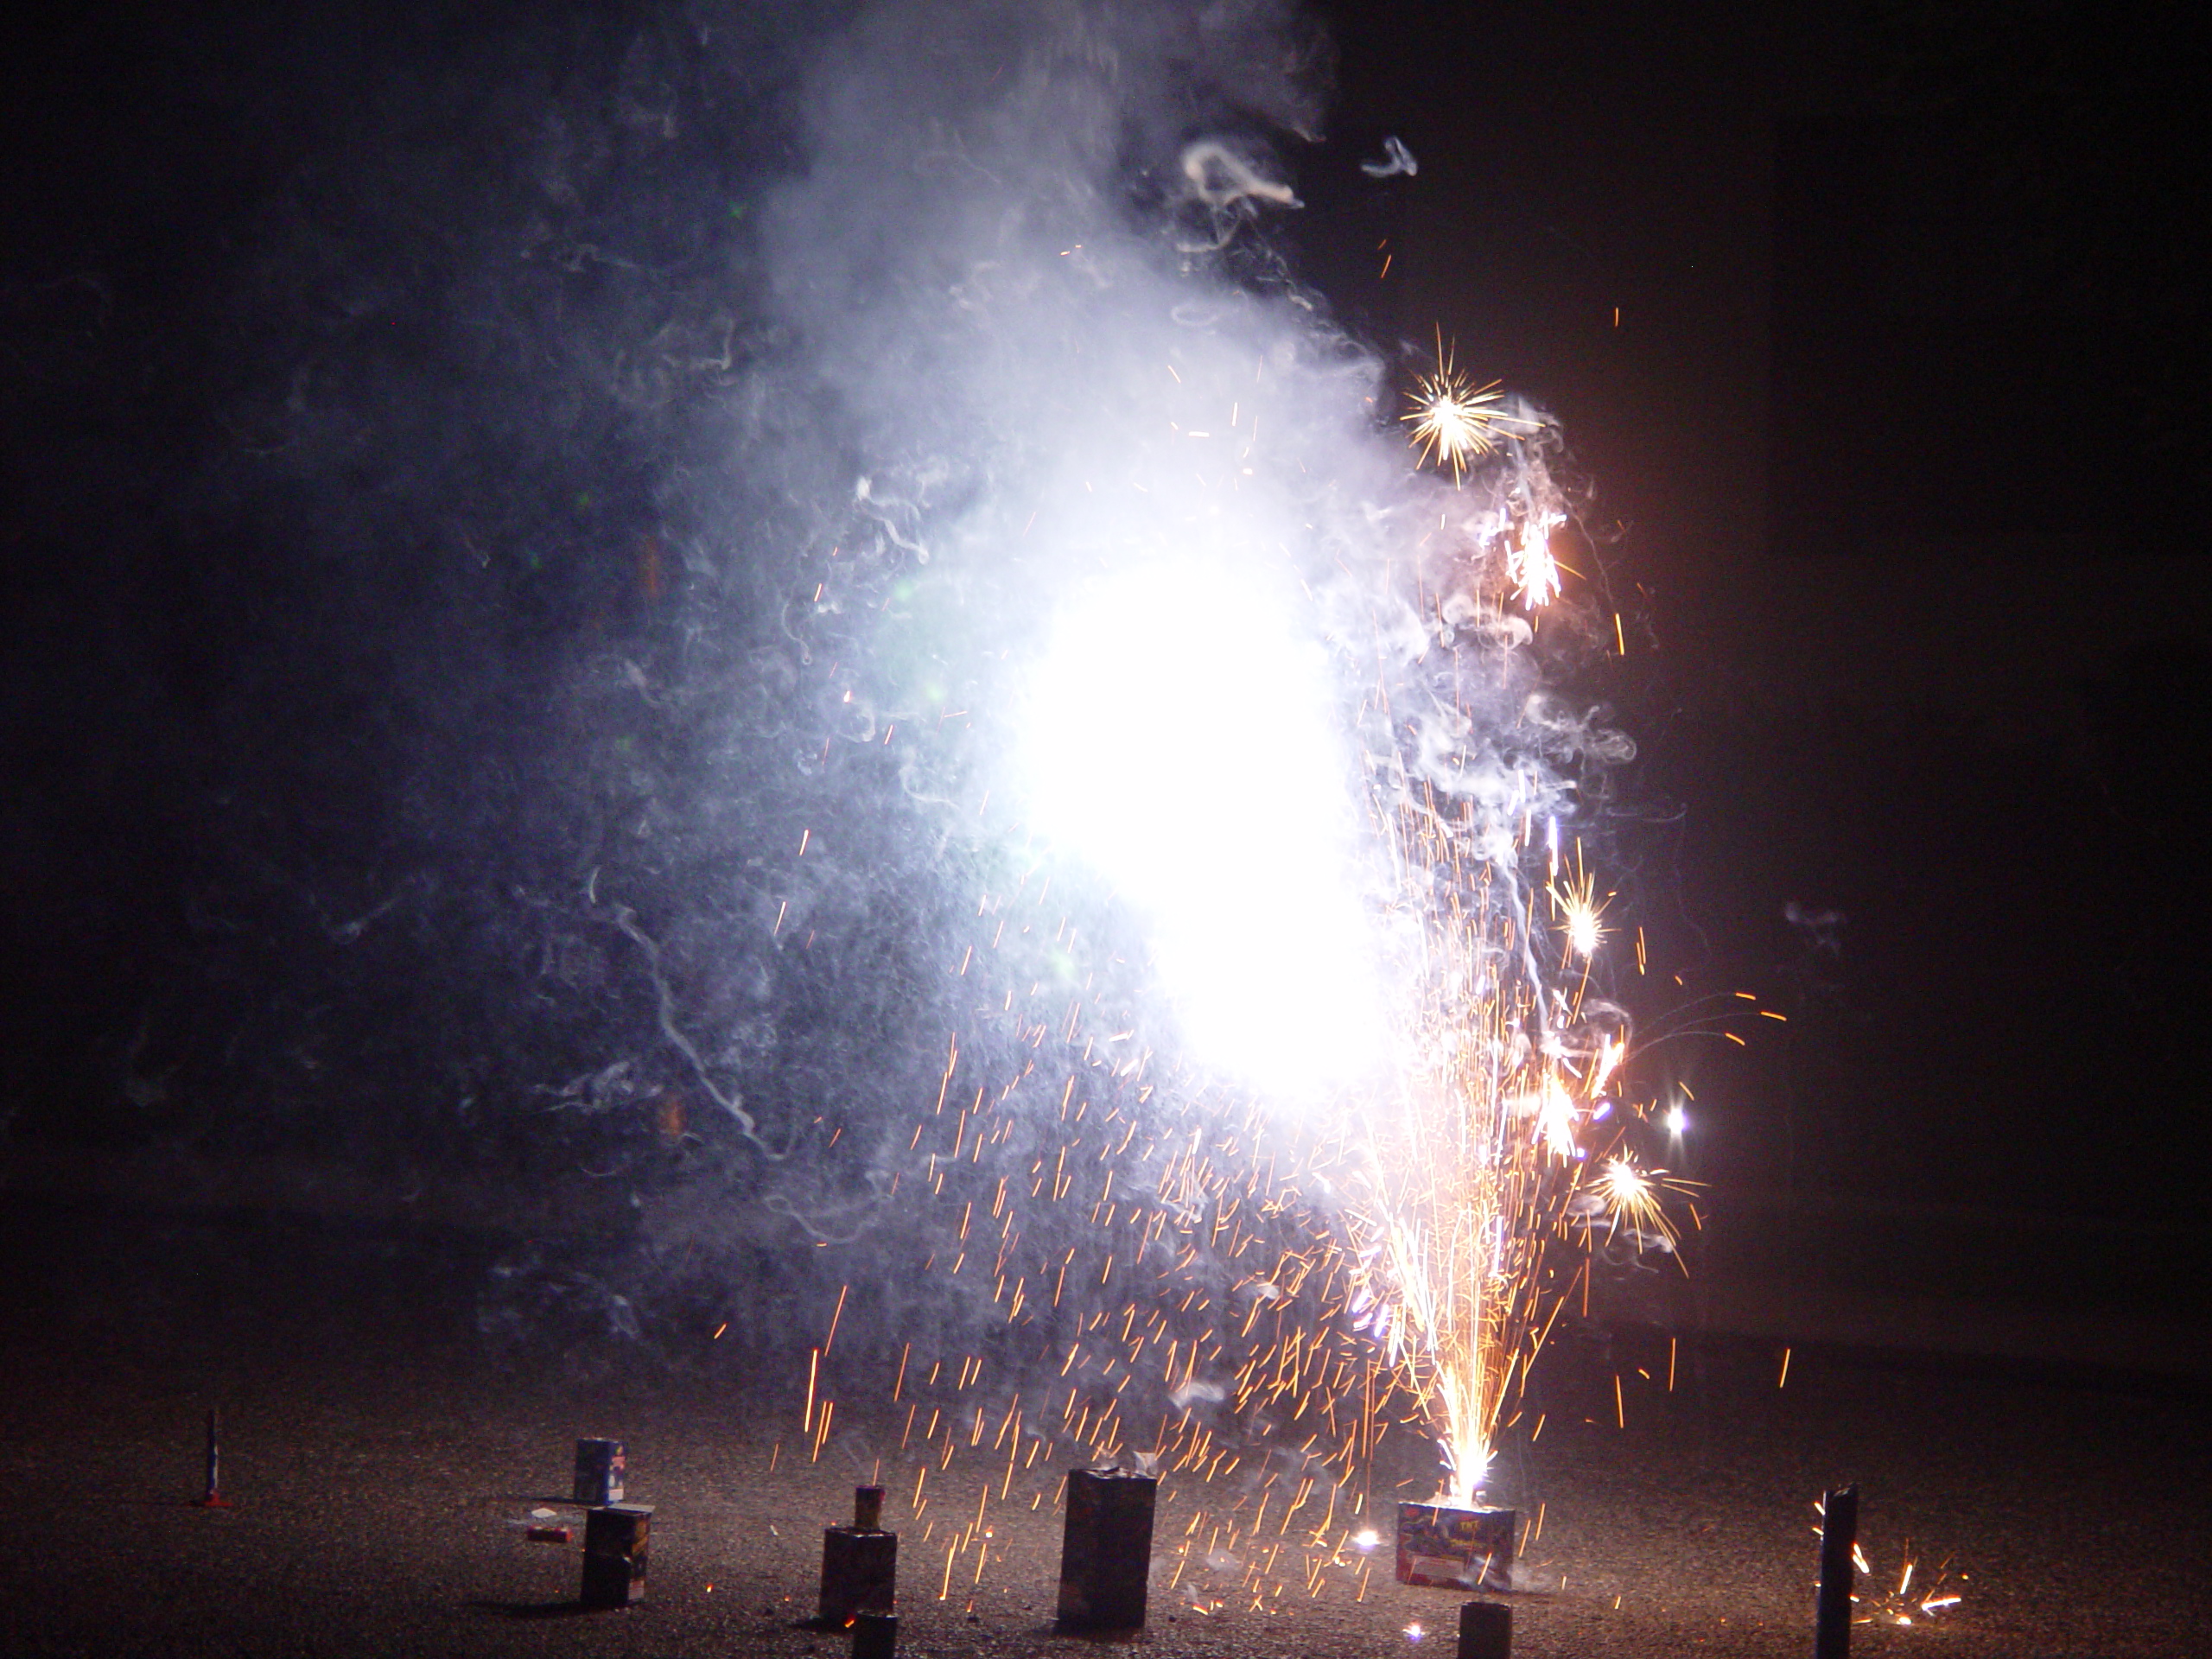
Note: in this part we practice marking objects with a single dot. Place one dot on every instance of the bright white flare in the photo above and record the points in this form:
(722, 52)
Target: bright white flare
(1233, 831)
(1532, 567)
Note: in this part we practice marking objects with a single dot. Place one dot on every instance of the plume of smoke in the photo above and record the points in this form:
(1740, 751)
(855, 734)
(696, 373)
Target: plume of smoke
(776, 389)
(1098, 453)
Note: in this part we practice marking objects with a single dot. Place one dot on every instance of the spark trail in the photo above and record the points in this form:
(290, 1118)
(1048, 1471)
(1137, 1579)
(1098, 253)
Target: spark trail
(1469, 1160)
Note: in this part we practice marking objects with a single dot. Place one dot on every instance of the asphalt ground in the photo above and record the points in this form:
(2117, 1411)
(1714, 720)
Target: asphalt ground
(382, 1463)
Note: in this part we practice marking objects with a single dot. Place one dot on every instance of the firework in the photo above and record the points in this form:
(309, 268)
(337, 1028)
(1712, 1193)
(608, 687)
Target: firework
(1476, 1160)
(1464, 1158)
(1531, 567)
(1635, 1197)
(1916, 1596)
(1337, 1197)
(617, 1546)
(1457, 423)
(1574, 901)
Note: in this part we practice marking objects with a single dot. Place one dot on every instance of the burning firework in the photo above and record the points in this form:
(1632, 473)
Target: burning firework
(1299, 1137)
(1916, 1596)
(1338, 1180)
(1473, 1161)
(1531, 565)
(1274, 1062)
(1457, 423)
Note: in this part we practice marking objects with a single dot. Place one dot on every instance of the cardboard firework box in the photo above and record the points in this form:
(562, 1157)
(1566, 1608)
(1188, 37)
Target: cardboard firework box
(600, 1473)
(1455, 1548)
(618, 1540)
(1106, 1549)
(860, 1566)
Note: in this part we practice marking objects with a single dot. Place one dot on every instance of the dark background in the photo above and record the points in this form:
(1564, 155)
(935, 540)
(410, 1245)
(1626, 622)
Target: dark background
(1900, 456)
(1875, 329)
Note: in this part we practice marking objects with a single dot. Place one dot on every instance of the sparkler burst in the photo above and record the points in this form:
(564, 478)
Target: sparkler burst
(1636, 1197)
(1457, 423)
(1470, 1160)
(1467, 1083)
(1916, 1597)
(1575, 902)
(1531, 567)
(1473, 1162)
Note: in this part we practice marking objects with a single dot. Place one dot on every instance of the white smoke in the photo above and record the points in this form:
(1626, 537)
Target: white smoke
(1164, 555)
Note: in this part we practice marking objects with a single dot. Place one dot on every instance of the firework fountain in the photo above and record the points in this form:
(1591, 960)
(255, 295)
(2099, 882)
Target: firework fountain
(1272, 1060)
(1472, 1157)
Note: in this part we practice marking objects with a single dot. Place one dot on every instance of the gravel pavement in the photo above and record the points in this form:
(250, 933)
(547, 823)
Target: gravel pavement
(383, 1467)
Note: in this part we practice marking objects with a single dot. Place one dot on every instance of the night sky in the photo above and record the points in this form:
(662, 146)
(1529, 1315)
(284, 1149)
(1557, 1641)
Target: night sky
(1877, 332)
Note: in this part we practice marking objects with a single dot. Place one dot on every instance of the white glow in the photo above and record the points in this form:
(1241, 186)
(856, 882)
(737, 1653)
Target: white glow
(1181, 738)
(1677, 1120)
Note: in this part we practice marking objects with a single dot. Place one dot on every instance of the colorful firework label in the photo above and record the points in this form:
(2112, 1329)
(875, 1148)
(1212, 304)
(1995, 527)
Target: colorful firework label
(1463, 1549)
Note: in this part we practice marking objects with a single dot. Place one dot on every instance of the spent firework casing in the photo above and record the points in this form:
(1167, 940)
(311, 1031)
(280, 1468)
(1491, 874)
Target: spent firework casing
(617, 1546)
(211, 1498)
(876, 1635)
(1485, 1630)
(1455, 1548)
(1106, 1550)
(859, 1573)
(599, 1471)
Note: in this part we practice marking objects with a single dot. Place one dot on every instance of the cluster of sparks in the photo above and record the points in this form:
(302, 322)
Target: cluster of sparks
(1915, 1598)
(1115, 1350)
(1480, 1160)
(1458, 423)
